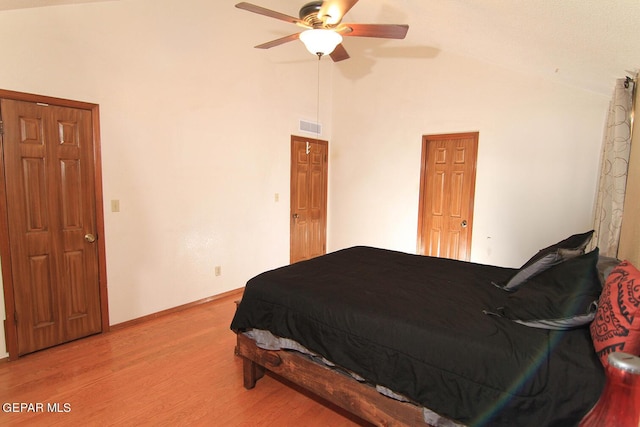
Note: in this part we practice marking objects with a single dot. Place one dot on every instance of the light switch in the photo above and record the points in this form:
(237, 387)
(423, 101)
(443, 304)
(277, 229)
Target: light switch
(276, 197)
(115, 206)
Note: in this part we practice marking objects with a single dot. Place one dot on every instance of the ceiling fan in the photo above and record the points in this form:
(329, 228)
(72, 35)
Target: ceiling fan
(324, 29)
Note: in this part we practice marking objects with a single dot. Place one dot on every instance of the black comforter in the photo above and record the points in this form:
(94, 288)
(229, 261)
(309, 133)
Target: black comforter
(415, 324)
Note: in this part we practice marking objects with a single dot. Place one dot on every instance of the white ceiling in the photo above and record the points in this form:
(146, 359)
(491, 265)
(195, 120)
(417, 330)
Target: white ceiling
(24, 4)
(586, 43)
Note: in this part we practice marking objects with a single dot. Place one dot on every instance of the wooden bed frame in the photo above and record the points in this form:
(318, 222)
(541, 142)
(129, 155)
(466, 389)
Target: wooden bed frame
(357, 398)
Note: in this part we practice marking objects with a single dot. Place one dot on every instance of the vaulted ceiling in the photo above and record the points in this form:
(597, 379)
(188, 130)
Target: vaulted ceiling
(586, 43)
(24, 4)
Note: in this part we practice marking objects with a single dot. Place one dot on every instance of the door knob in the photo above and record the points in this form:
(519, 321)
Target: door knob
(89, 237)
(463, 223)
(295, 216)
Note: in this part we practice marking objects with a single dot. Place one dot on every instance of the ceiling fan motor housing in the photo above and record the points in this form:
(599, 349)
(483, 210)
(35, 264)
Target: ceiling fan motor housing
(309, 14)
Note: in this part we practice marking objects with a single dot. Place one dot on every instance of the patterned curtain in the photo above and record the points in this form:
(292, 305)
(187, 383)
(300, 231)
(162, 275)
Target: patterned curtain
(613, 170)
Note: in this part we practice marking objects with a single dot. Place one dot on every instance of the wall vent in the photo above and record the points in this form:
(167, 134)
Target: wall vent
(310, 127)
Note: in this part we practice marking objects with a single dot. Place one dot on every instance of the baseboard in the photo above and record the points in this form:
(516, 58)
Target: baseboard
(232, 295)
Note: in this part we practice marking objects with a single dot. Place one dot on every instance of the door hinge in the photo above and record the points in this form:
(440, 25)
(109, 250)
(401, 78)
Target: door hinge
(1, 127)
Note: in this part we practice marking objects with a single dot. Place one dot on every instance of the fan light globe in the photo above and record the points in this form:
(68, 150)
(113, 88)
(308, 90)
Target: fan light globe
(320, 41)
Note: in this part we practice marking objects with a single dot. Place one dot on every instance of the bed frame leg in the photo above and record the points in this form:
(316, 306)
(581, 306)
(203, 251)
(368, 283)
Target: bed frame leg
(252, 372)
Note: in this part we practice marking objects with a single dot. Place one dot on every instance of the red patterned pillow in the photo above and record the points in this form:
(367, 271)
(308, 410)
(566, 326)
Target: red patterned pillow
(616, 326)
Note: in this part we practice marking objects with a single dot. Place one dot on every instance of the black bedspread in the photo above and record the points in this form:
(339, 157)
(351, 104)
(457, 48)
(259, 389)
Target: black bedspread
(415, 324)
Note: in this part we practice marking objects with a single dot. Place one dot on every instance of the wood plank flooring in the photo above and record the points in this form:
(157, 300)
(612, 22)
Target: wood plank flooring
(177, 369)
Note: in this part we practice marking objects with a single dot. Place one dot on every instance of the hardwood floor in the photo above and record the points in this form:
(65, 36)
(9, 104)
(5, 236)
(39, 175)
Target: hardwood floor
(178, 369)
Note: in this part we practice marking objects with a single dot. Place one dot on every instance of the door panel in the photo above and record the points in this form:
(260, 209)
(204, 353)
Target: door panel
(447, 187)
(51, 204)
(79, 278)
(299, 207)
(308, 198)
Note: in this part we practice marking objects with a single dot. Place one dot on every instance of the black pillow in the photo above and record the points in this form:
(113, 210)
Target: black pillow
(605, 265)
(562, 297)
(546, 258)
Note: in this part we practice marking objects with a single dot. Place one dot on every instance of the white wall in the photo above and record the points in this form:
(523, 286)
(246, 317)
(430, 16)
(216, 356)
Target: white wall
(537, 163)
(195, 141)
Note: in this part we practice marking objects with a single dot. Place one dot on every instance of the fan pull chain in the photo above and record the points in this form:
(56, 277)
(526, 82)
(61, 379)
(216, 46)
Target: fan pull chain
(318, 100)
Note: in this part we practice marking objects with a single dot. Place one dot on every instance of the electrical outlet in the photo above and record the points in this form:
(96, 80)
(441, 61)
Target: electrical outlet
(217, 270)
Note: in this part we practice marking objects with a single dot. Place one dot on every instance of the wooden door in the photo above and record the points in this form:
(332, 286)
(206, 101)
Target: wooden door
(447, 187)
(51, 212)
(308, 198)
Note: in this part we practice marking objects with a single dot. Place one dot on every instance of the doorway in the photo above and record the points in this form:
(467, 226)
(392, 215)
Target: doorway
(308, 215)
(51, 246)
(447, 188)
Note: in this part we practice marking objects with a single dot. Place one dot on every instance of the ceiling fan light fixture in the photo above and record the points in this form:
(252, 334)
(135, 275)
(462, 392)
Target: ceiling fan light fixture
(320, 41)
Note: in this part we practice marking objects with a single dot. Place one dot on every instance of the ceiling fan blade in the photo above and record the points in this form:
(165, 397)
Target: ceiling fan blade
(332, 11)
(339, 53)
(385, 31)
(278, 42)
(270, 13)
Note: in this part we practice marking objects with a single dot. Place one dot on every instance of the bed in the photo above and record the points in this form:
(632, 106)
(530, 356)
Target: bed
(403, 339)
